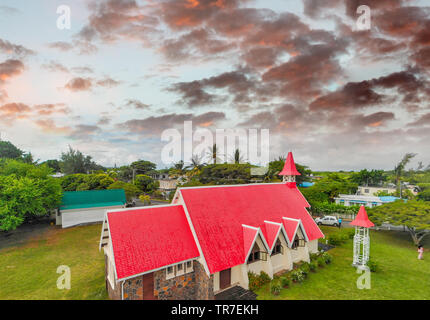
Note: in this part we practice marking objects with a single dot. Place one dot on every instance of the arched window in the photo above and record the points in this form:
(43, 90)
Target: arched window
(256, 254)
(278, 249)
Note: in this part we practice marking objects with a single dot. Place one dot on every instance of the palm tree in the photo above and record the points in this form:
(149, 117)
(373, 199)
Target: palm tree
(400, 167)
(196, 165)
(238, 157)
(179, 168)
(213, 153)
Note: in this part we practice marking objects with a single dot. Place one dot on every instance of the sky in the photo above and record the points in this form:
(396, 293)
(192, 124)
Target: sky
(125, 71)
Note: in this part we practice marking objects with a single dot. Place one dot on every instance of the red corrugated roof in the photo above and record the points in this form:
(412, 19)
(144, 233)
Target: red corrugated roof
(249, 235)
(289, 167)
(362, 220)
(150, 238)
(271, 232)
(290, 227)
(217, 214)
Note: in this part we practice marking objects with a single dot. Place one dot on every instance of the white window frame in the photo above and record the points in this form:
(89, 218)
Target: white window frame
(180, 272)
(189, 269)
(171, 274)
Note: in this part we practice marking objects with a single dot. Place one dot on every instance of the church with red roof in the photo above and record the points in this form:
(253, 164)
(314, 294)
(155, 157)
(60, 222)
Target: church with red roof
(207, 240)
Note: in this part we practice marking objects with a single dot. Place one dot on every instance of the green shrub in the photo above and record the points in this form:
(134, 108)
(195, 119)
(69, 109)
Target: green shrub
(264, 277)
(314, 256)
(297, 275)
(275, 288)
(327, 257)
(350, 232)
(285, 282)
(373, 266)
(305, 268)
(313, 266)
(338, 238)
(321, 262)
(257, 281)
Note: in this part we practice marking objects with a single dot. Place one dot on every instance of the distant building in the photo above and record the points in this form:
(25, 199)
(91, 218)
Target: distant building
(373, 191)
(358, 200)
(167, 184)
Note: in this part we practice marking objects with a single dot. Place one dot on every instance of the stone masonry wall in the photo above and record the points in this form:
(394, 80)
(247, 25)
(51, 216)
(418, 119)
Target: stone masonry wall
(132, 289)
(195, 285)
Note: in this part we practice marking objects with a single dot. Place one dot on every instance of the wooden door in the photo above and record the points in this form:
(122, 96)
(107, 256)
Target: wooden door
(148, 286)
(225, 279)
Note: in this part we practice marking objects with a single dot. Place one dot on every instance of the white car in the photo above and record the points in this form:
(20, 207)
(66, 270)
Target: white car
(328, 221)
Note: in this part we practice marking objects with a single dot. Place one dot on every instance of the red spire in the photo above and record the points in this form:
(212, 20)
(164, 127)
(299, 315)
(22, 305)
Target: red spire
(362, 220)
(289, 167)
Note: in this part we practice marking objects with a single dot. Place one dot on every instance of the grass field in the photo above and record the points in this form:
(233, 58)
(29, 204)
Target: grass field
(401, 275)
(28, 271)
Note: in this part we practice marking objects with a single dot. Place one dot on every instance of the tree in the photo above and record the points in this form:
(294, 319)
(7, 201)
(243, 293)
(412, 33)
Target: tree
(81, 182)
(366, 178)
(238, 157)
(424, 195)
(9, 151)
(400, 168)
(143, 167)
(178, 169)
(130, 189)
(146, 183)
(195, 166)
(74, 161)
(213, 153)
(53, 164)
(415, 215)
(27, 191)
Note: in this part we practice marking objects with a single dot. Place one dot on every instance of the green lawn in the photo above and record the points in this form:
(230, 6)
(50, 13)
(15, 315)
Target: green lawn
(29, 271)
(402, 275)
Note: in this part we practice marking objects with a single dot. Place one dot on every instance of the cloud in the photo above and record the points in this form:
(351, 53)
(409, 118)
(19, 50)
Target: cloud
(54, 66)
(137, 104)
(14, 49)
(8, 10)
(424, 120)
(49, 126)
(108, 82)
(48, 109)
(10, 68)
(14, 109)
(79, 84)
(154, 125)
(61, 45)
(84, 132)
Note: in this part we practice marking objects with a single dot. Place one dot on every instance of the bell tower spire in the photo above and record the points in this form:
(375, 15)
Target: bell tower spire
(289, 172)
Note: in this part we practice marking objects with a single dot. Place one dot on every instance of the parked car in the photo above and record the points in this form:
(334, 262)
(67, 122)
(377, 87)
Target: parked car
(328, 221)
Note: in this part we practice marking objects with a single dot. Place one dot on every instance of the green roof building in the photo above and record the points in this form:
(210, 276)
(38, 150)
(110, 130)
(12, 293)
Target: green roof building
(81, 207)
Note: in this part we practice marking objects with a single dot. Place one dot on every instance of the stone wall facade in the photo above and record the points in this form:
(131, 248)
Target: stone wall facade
(195, 285)
(132, 289)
